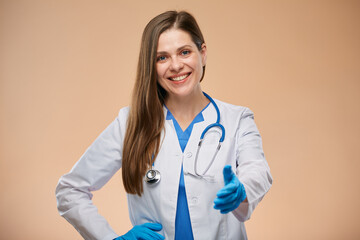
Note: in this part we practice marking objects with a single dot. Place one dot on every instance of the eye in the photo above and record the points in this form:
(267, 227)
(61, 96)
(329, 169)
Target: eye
(185, 52)
(160, 58)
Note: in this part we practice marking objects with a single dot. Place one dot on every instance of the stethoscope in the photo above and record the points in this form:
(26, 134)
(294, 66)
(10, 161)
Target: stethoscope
(153, 176)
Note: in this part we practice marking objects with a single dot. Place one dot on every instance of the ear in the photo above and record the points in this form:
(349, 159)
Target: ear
(203, 54)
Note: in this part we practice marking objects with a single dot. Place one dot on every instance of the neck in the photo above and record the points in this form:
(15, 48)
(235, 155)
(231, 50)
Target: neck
(185, 109)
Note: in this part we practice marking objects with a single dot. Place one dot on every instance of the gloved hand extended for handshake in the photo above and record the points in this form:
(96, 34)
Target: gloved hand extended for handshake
(145, 231)
(232, 194)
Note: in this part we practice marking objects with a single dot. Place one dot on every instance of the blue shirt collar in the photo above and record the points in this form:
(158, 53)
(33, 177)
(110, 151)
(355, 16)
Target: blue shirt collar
(198, 118)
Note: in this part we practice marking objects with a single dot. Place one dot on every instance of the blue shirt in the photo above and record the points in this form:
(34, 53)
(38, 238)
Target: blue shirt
(183, 229)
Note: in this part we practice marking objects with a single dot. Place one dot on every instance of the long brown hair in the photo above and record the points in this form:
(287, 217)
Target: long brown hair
(146, 118)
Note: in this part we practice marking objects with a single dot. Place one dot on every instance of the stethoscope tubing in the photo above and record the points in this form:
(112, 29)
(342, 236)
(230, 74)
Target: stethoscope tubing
(153, 176)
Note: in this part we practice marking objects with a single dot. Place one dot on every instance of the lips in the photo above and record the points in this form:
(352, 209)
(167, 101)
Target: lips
(179, 78)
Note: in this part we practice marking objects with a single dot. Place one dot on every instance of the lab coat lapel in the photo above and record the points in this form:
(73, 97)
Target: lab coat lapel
(210, 116)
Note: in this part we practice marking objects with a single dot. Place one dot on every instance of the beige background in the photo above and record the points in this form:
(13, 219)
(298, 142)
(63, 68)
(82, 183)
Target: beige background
(67, 67)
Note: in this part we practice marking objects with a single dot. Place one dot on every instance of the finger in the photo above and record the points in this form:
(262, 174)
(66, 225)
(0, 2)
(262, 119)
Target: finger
(230, 207)
(231, 201)
(233, 205)
(228, 189)
(228, 174)
(227, 199)
(221, 205)
(153, 226)
(242, 194)
(225, 208)
(149, 234)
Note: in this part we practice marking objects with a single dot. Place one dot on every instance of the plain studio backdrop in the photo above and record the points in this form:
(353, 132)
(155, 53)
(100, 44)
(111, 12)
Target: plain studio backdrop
(67, 67)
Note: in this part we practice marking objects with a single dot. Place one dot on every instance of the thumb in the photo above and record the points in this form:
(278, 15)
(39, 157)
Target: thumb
(228, 174)
(153, 226)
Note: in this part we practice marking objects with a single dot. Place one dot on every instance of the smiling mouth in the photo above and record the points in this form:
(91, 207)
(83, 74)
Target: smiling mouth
(179, 78)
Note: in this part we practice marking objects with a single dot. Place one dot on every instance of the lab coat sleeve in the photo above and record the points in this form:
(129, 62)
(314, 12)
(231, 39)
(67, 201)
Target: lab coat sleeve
(95, 168)
(252, 170)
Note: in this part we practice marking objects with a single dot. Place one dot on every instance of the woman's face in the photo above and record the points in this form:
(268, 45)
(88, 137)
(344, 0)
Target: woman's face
(179, 63)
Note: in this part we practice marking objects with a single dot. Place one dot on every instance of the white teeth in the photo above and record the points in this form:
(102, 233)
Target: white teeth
(180, 77)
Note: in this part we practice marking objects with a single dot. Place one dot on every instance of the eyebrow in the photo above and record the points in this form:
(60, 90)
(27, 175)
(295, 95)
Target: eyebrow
(180, 48)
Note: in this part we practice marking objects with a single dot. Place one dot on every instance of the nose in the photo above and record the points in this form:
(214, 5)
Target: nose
(176, 65)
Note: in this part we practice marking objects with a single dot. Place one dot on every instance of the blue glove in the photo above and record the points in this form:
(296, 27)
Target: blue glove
(232, 194)
(143, 232)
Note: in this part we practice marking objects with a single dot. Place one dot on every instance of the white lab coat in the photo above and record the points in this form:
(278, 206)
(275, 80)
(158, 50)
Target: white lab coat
(242, 146)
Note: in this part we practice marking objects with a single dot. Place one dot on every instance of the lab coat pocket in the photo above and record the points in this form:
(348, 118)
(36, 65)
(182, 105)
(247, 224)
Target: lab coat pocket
(207, 223)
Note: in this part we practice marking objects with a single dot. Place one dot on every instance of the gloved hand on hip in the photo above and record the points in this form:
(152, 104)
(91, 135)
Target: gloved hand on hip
(232, 194)
(145, 231)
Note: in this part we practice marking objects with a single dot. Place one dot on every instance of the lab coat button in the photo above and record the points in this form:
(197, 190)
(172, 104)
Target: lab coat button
(188, 154)
(195, 200)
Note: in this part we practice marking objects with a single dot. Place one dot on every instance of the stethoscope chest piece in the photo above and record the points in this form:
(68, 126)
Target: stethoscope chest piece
(152, 176)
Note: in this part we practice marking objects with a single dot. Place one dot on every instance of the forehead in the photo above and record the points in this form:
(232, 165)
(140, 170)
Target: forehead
(172, 39)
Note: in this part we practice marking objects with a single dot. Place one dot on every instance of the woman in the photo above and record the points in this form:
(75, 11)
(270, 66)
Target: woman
(190, 192)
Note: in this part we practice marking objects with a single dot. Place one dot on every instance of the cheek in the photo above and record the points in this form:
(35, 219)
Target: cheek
(160, 70)
(196, 63)
(160, 75)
